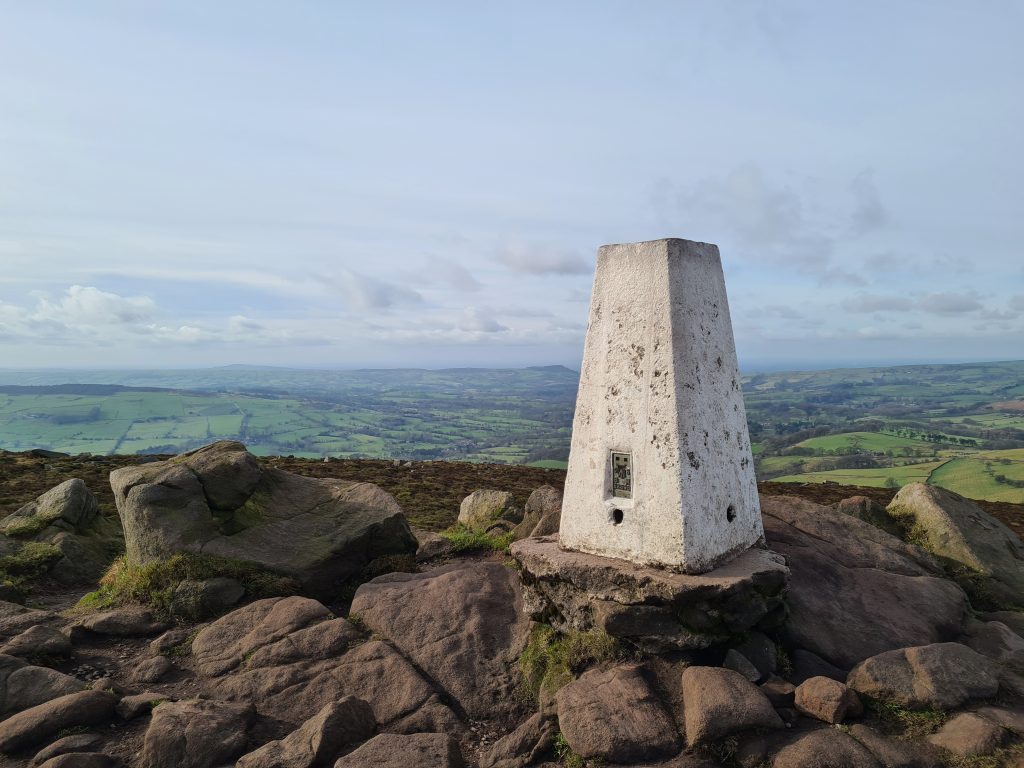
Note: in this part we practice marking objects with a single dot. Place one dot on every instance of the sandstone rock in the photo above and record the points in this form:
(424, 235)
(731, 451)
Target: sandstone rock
(960, 532)
(431, 545)
(870, 511)
(825, 748)
(168, 641)
(542, 514)
(781, 693)
(44, 721)
(481, 508)
(121, 622)
(967, 735)
(152, 669)
(892, 753)
(760, 650)
(855, 591)
(1010, 719)
(15, 618)
(996, 641)
(201, 599)
(23, 685)
(79, 742)
(653, 608)
(80, 760)
(39, 640)
(827, 700)
(524, 746)
(389, 750)
(139, 704)
(807, 665)
(462, 624)
(613, 715)
(69, 506)
(737, 662)
(196, 734)
(719, 703)
(319, 740)
(320, 531)
(939, 676)
(1013, 619)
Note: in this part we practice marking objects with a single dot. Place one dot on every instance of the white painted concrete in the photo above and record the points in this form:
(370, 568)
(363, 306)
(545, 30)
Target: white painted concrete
(660, 382)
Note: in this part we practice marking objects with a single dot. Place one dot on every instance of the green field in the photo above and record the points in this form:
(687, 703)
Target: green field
(875, 442)
(873, 478)
(975, 476)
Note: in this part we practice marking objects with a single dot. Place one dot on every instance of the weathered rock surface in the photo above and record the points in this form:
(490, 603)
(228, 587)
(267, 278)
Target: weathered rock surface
(39, 640)
(24, 685)
(44, 721)
(938, 676)
(431, 545)
(826, 700)
(463, 625)
(855, 591)
(290, 657)
(202, 599)
(994, 640)
(139, 704)
(524, 746)
(967, 734)
(653, 608)
(69, 506)
(759, 650)
(483, 508)
(542, 514)
(825, 748)
(79, 742)
(1013, 619)
(781, 693)
(15, 618)
(152, 669)
(319, 740)
(960, 532)
(737, 662)
(120, 622)
(196, 734)
(80, 760)
(870, 511)
(219, 501)
(892, 753)
(389, 750)
(807, 665)
(613, 715)
(719, 702)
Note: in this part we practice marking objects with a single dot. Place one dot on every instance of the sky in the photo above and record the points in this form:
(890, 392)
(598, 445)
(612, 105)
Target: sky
(341, 185)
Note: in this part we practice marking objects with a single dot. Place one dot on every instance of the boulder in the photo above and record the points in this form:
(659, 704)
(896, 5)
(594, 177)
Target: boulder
(23, 685)
(870, 511)
(542, 515)
(390, 750)
(825, 748)
(119, 622)
(960, 532)
(482, 508)
(996, 641)
(938, 676)
(654, 609)
(760, 650)
(463, 625)
(319, 741)
(39, 640)
(613, 715)
(781, 693)
(15, 618)
(78, 742)
(826, 700)
(290, 657)
(431, 545)
(1010, 719)
(854, 590)
(807, 665)
(204, 598)
(718, 703)
(524, 746)
(80, 760)
(44, 721)
(219, 501)
(737, 662)
(1013, 619)
(892, 753)
(967, 735)
(169, 640)
(152, 669)
(139, 704)
(196, 734)
(69, 506)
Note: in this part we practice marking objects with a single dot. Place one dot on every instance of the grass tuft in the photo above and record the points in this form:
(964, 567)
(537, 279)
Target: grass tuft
(31, 561)
(465, 540)
(552, 659)
(23, 527)
(895, 719)
(564, 753)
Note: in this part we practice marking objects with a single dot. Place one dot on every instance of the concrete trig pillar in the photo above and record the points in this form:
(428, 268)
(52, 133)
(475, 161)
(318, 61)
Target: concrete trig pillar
(660, 469)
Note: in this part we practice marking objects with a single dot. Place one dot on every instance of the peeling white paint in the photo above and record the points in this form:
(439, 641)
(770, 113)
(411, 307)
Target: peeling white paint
(660, 382)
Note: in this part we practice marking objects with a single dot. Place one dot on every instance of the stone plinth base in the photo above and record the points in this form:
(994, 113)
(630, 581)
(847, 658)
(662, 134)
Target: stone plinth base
(653, 608)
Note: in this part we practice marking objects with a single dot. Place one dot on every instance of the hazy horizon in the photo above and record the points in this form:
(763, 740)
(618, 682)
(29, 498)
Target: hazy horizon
(347, 186)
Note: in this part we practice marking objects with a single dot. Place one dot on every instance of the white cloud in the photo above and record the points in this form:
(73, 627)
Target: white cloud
(365, 293)
(85, 305)
(866, 302)
(543, 260)
(476, 322)
(949, 303)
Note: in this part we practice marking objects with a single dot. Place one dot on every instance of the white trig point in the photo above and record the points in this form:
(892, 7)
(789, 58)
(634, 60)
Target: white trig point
(660, 469)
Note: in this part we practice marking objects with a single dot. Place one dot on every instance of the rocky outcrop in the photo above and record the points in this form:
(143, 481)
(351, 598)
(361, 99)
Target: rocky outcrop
(482, 509)
(462, 625)
(542, 514)
(961, 533)
(653, 608)
(220, 501)
(69, 506)
(856, 591)
(718, 703)
(524, 746)
(939, 676)
(967, 735)
(24, 685)
(389, 750)
(827, 700)
(44, 721)
(614, 716)
(196, 734)
(825, 748)
(38, 641)
(870, 511)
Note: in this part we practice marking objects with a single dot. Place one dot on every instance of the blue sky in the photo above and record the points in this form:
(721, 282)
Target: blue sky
(409, 184)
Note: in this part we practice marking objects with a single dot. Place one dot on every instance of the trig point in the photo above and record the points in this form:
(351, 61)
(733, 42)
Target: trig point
(660, 469)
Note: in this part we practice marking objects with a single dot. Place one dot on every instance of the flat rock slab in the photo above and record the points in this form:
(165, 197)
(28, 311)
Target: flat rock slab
(389, 750)
(196, 734)
(44, 721)
(656, 609)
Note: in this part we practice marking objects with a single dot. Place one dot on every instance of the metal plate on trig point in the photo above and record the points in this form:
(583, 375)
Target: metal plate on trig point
(622, 475)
